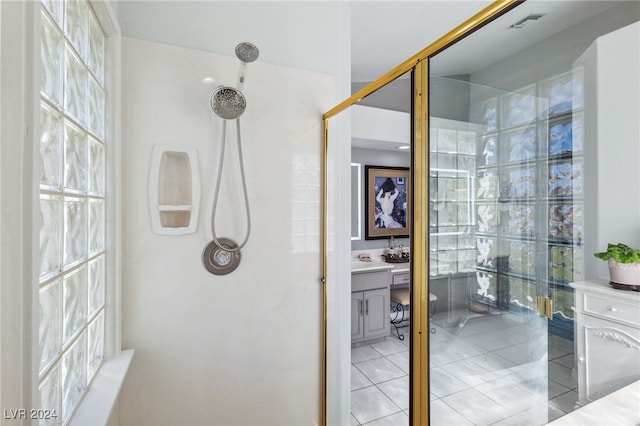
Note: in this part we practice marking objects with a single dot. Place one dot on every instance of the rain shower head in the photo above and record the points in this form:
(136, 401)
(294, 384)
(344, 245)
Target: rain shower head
(228, 102)
(247, 52)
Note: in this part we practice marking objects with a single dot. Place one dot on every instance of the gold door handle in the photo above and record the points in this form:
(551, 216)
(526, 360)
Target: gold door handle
(545, 307)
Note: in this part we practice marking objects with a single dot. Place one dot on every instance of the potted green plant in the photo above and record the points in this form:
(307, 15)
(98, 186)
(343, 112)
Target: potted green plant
(624, 263)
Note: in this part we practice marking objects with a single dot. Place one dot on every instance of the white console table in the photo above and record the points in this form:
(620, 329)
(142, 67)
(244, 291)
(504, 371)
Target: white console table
(607, 331)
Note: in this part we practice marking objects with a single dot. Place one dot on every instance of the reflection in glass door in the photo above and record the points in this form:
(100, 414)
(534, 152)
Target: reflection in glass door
(505, 171)
(380, 272)
(505, 235)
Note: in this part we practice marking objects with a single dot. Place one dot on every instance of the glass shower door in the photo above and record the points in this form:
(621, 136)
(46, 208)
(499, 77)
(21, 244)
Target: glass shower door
(504, 242)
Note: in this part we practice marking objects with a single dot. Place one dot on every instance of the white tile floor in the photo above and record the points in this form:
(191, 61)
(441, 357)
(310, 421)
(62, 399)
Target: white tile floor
(485, 370)
(380, 383)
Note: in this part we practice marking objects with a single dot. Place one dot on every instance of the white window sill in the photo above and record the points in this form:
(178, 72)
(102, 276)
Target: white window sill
(97, 405)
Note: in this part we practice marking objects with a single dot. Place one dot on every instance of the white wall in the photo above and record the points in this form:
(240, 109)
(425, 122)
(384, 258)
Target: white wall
(306, 35)
(612, 144)
(18, 196)
(557, 53)
(380, 128)
(243, 348)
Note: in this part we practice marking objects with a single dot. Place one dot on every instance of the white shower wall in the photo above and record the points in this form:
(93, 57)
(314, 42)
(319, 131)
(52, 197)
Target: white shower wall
(243, 348)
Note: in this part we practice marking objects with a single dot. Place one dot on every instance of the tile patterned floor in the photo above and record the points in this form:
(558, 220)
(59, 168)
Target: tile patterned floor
(380, 383)
(485, 370)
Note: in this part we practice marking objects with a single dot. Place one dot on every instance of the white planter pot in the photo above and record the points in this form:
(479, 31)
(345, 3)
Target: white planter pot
(624, 273)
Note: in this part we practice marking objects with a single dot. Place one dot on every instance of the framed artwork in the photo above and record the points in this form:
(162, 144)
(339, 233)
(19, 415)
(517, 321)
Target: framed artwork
(387, 202)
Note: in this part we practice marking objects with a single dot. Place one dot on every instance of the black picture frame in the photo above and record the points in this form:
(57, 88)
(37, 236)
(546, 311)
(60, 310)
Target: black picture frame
(387, 202)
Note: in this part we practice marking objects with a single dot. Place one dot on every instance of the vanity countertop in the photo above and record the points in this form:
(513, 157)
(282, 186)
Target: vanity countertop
(377, 262)
(400, 268)
(358, 266)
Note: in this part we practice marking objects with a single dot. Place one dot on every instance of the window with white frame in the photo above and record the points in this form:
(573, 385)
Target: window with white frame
(72, 204)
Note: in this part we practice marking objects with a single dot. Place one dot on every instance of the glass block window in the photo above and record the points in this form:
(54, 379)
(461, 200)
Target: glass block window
(72, 204)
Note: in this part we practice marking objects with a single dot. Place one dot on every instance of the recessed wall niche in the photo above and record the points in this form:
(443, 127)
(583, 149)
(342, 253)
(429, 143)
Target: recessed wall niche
(174, 189)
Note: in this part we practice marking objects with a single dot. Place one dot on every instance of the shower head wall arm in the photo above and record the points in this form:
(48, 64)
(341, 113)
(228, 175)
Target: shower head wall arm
(242, 75)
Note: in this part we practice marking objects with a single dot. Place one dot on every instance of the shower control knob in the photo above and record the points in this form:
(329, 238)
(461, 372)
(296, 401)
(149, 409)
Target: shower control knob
(219, 261)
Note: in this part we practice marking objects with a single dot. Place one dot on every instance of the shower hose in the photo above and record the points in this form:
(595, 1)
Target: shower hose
(217, 190)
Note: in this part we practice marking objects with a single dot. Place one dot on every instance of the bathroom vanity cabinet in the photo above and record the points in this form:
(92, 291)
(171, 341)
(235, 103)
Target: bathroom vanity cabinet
(369, 304)
(607, 338)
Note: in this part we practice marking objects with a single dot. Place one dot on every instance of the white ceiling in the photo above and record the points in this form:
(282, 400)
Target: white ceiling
(384, 33)
(296, 34)
(487, 46)
(498, 40)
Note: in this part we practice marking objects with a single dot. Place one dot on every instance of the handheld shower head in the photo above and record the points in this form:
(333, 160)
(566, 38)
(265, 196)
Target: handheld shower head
(222, 255)
(246, 52)
(228, 102)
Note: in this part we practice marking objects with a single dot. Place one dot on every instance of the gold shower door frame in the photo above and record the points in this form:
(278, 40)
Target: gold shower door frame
(419, 235)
